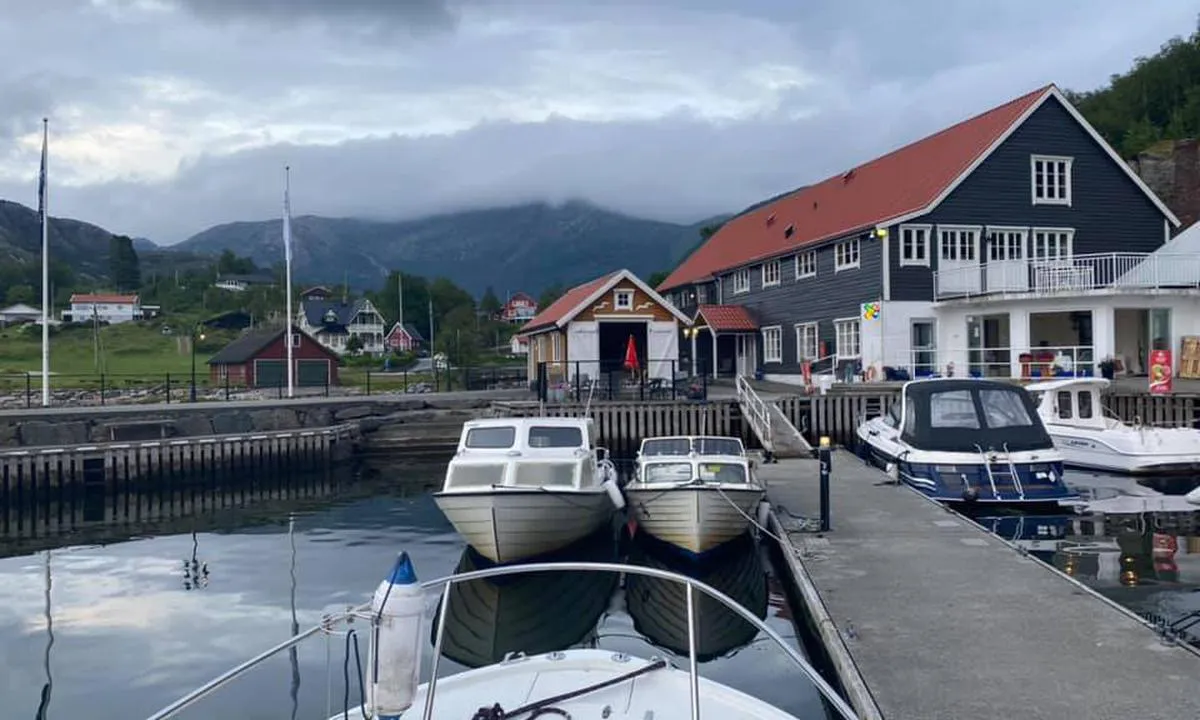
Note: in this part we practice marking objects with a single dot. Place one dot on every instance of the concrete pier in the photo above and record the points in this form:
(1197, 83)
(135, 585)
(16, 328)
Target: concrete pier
(926, 616)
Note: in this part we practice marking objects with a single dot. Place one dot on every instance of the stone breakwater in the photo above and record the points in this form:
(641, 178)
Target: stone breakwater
(389, 419)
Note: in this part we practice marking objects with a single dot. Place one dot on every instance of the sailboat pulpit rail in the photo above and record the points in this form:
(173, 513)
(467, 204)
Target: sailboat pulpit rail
(835, 700)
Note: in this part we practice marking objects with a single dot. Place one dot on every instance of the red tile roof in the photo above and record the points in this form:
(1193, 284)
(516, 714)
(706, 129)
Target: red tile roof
(102, 298)
(727, 318)
(565, 304)
(901, 182)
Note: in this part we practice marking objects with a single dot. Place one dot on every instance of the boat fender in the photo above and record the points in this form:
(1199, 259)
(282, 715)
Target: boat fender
(763, 513)
(893, 471)
(614, 493)
(394, 653)
(970, 494)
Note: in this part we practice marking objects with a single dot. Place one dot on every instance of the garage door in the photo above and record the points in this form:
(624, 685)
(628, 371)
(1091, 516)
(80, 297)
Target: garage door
(312, 373)
(269, 373)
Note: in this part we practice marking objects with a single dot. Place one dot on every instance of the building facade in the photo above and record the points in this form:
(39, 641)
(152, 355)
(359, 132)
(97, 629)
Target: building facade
(334, 322)
(519, 309)
(404, 338)
(587, 331)
(259, 359)
(102, 307)
(967, 252)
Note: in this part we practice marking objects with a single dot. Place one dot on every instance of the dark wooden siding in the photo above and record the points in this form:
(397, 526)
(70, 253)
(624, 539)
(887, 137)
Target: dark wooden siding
(1108, 212)
(686, 298)
(822, 299)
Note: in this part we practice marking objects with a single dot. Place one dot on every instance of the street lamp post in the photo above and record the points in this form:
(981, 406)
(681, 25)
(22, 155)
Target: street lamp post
(196, 335)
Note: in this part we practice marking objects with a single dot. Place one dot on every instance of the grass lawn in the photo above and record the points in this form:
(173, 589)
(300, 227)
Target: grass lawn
(128, 349)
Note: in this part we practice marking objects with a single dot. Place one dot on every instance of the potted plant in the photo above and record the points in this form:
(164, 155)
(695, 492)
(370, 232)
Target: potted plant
(1107, 367)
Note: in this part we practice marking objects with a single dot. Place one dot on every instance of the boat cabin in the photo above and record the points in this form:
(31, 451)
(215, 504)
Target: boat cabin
(1071, 401)
(688, 444)
(526, 452)
(676, 470)
(967, 415)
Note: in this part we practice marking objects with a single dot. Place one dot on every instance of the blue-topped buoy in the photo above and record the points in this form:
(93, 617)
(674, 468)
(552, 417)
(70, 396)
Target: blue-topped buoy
(394, 653)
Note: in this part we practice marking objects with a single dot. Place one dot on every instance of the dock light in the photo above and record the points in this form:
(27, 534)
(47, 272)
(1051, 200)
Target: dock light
(824, 441)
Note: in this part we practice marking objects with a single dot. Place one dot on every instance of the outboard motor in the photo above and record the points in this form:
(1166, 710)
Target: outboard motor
(394, 653)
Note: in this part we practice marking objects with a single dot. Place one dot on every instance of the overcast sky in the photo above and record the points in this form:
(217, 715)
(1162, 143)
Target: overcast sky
(168, 116)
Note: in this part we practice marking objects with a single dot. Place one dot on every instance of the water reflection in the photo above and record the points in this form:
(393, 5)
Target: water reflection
(44, 704)
(530, 613)
(659, 607)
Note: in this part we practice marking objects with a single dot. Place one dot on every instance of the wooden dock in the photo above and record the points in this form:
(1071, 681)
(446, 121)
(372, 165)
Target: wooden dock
(927, 616)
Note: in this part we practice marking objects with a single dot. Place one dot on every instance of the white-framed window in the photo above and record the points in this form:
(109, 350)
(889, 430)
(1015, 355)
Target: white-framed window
(1053, 243)
(958, 243)
(1006, 243)
(741, 281)
(806, 264)
(846, 335)
(701, 294)
(770, 273)
(623, 300)
(1050, 179)
(845, 255)
(808, 343)
(914, 244)
(295, 340)
(772, 344)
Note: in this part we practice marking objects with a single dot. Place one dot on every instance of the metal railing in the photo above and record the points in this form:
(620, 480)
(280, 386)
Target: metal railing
(1120, 272)
(576, 380)
(756, 411)
(824, 688)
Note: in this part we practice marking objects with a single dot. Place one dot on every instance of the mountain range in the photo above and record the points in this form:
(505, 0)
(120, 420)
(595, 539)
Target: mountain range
(526, 247)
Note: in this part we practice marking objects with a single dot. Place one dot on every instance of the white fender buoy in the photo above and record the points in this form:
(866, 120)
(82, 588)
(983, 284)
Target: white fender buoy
(394, 652)
(763, 513)
(615, 494)
(1193, 497)
(893, 471)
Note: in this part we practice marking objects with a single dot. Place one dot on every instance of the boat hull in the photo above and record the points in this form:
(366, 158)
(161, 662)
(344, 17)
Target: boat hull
(508, 525)
(1120, 453)
(663, 693)
(694, 518)
(962, 478)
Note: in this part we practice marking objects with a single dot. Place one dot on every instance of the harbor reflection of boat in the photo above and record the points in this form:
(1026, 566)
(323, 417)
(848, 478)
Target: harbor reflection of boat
(1040, 535)
(532, 613)
(659, 607)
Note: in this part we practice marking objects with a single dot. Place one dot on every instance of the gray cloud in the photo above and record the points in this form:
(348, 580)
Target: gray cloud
(162, 124)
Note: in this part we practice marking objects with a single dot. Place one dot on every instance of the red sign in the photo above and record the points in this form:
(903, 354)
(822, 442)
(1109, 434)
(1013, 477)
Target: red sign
(1160, 371)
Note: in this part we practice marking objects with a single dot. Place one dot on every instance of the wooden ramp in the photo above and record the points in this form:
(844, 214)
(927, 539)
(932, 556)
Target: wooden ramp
(768, 423)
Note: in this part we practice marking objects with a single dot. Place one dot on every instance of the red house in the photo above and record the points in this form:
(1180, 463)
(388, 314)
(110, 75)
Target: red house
(259, 359)
(403, 338)
(520, 308)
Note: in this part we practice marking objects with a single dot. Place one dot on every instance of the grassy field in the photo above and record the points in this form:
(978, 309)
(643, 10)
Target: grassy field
(127, 349)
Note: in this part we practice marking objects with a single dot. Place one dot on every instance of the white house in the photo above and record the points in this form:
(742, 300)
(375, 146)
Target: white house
(587, 331)
(334, 322)
(110, 308)
(20, 313)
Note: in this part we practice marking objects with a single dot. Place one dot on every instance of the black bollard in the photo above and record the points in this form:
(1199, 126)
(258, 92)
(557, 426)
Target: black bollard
(825, 456)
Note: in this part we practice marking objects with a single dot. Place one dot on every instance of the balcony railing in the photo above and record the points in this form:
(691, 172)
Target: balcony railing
(1115, 272)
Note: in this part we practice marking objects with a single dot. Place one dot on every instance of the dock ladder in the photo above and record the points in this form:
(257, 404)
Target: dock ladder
(1006, 473)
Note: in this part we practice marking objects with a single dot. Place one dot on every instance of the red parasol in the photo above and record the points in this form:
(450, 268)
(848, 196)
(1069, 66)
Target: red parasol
(631, 358)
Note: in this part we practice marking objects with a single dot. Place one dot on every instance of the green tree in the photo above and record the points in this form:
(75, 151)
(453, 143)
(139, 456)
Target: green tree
(549, 295)
(19, 294)
(230, 264)
(123, 264)
(459, 338)
(657, 278)
(354, 344)
(489, 304)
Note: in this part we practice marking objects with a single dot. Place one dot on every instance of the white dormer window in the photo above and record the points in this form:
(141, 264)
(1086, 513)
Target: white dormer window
(623, 300)
(1051, 179)
(770, 273)
(741, 281)
(295, 340)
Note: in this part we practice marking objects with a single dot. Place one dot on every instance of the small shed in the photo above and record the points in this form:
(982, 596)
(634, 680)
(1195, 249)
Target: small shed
(259, 359)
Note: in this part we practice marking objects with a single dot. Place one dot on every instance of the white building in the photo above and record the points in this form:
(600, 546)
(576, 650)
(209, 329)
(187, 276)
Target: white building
(20, 313)
(108, 308)
(334, 322)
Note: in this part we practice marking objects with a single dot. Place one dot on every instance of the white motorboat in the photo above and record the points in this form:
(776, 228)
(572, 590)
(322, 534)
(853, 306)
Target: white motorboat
(695, 501)
(518, 488)
(1193, 497)
(579, 683)
(1075, 418)
(968, 440)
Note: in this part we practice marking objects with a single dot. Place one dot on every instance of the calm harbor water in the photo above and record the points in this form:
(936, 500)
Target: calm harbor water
(120, 627)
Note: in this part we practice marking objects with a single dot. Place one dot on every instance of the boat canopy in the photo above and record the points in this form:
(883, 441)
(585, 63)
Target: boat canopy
(687, 444)
(731, 470)
(957, 415)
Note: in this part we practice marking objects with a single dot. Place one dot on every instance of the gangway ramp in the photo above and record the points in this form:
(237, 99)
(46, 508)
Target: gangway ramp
(774, 431)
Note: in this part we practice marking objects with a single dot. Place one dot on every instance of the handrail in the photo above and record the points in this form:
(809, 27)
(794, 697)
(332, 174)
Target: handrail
(756, 411)
(1016, 476)
(824, 688)
(987, 465)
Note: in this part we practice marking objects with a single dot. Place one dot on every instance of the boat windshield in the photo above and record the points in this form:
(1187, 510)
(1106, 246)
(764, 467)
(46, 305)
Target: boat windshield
(957, 416)
(682, 472)
(548, 436)
(666, 446)
(497, 437)
(718, 446)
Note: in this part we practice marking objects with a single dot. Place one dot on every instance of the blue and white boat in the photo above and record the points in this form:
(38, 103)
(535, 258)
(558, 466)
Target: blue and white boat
(968, 441)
